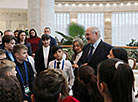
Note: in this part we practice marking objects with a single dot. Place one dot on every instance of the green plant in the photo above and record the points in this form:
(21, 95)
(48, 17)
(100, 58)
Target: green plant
(133, 53)
(74, 31)
(133, 43)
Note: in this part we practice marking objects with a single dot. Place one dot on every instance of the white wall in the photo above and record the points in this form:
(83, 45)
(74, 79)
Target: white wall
(22, 4)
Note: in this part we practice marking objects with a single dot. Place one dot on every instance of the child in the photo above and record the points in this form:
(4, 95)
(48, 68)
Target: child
(2, 54)
(51, 86)
(10, 89)
(44, 54)
(64, 65)
(115, 81)
(7, 68)
(89, 91)
(25, 73)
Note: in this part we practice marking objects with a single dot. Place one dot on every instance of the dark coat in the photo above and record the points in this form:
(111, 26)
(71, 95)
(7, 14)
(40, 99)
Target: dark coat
(99, 55)
(39, 59)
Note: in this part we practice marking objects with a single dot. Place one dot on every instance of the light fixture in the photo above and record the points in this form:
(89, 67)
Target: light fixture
(94, 4)
(66, 4)
(87, 5)
(80, 5)
(136, 3)
(128, 4)
(114, 4)
(101, 5)
(74, 20)
(107, 20)
(107, 4)
(73, 5)
(122, 4)
(59, 4)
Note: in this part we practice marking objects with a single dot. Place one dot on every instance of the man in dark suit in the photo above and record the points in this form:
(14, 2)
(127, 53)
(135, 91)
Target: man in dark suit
(44, 54)
(96, 50)
(53, 42)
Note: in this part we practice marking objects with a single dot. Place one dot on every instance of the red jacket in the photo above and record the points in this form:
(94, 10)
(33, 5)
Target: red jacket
(69, 99)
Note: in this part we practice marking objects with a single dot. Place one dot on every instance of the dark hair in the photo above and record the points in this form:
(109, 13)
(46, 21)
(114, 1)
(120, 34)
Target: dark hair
(119, 79)
(18, 38)
(6, 66)
(45, 37)
(30, 33)
(55, 48)
(1, 33)
(17, 48)
(7, 39)
(16, 31)
(86, 74)
(10, 90)
(120, 53)
(48, 85)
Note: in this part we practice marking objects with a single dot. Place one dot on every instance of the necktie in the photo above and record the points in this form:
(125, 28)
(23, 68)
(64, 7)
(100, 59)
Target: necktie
(58, 63)
(90, 52)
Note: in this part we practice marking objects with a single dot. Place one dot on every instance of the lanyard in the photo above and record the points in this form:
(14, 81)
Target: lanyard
(25, 73)
(27, 59)
(62, 64)
(11, 57)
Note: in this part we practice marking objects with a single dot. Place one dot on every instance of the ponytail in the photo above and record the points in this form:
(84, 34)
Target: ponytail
(119, 79)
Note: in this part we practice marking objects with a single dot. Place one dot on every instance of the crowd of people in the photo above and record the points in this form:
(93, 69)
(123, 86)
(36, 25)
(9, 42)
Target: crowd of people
(37, 69)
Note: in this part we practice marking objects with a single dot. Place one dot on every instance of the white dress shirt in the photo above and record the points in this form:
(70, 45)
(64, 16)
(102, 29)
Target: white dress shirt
(46, 54)
(95, 45)
(67, 70)
(77, 57)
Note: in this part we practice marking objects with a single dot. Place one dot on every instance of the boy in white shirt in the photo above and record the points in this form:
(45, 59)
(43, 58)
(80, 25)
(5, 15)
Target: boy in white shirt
(62, 64)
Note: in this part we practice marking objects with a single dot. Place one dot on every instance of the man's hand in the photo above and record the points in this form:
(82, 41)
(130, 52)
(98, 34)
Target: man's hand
(75, 66)
(85, 64)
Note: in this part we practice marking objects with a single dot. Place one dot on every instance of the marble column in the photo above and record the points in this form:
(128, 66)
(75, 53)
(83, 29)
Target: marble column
(8, 25)
(73, 17)
(108, 27)
(34, 15)
(41, 14)
(47, 15)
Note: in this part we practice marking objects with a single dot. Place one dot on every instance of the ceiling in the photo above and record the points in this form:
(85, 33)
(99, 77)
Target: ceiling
(91, 0)
(23, 4)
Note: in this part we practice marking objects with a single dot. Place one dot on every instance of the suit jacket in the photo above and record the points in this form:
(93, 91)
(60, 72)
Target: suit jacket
(39, 59)
(99, 55)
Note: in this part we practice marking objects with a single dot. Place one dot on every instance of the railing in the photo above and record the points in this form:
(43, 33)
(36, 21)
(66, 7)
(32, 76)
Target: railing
(128, 47)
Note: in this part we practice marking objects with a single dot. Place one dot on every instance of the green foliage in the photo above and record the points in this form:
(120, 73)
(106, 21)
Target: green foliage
(26, 31)
(66, 40)
(133, 53)
(75, 31)
(132, 43)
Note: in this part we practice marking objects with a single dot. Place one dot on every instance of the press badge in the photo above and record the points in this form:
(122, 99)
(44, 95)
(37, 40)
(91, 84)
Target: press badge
(26, 89)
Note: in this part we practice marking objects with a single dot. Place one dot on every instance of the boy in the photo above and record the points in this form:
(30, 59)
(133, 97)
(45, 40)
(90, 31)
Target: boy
(44, 54)
(51, 86)
(48, 86)
(2, 54)
(64, 65)
(10, 89)
(7, 68)
(25, 73)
